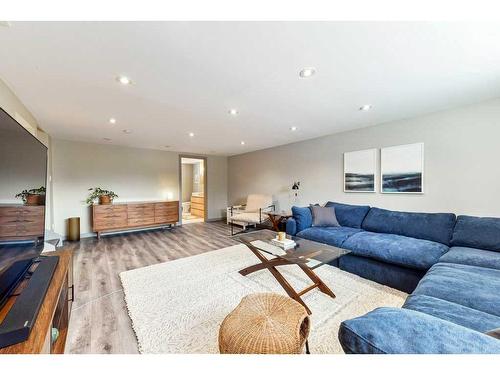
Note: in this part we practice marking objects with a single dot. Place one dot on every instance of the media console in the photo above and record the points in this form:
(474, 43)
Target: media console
(50, 315)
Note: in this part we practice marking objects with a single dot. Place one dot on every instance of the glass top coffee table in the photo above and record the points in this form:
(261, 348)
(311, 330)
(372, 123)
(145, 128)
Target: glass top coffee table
(306, 254)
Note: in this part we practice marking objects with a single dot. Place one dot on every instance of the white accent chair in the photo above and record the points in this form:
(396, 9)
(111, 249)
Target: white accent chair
(252, 213)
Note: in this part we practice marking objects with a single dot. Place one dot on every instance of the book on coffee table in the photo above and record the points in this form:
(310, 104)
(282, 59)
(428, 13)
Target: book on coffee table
(286, 244)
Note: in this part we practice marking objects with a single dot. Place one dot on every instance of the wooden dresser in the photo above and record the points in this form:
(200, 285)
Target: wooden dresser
(19, 221)
(121, 216)
(198, 206)
(54, 312)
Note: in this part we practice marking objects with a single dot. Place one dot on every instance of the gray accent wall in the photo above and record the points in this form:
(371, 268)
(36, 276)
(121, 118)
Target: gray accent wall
(462, 164)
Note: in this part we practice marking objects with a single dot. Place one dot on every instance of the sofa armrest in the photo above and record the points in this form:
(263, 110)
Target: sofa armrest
(388, 330)
(291, 226)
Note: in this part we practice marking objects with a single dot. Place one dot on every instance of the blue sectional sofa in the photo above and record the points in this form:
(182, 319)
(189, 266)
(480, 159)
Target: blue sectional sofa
(451, 267)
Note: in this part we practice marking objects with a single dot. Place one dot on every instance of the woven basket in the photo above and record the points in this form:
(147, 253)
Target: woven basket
(265, 323)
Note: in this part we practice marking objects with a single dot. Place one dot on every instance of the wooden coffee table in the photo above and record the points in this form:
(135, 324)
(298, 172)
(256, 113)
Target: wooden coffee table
(308, 255)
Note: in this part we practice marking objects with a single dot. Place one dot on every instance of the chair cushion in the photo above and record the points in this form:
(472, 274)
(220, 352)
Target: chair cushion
(249, 217)
(403, 331)
(425, 226)
(477, 232)
(302, 216)
(334, 236)
(256, 201)
(453, 312)
(323, 216)
(349, 215)
(472, 257)
(470, 286)
(400, 250)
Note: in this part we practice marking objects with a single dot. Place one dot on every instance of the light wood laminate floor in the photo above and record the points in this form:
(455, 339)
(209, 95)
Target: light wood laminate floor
(99, 319)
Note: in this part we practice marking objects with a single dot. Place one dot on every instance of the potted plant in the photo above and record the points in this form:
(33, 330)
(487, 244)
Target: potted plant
(33, 197)
(104, 196)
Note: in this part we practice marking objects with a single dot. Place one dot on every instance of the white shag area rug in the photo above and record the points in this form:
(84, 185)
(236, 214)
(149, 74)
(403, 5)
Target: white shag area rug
(178, 306)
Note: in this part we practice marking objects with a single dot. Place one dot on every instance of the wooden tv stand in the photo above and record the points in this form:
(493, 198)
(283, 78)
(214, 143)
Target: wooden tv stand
(54, 312)
(133, 215)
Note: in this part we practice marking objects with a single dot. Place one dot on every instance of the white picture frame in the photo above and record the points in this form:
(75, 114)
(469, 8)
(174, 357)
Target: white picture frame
(360, 171)
(402, 169)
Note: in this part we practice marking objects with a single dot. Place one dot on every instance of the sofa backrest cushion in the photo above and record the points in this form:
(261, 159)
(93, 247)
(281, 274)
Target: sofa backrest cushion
(349, 215)
(303, 217)
(436, 227)
(478, 232)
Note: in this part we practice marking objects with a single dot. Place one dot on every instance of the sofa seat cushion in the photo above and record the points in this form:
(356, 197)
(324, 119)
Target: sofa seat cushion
(477, 232)
(403, 331)
(349, 215)
(435, 227)
(453, 312)
(470, 286)
(472, 257)
(394, 249)
(334, 236)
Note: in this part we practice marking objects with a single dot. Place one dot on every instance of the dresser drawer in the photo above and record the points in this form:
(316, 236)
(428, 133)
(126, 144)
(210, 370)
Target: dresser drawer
(141, 221)
(199, 213)
(166, 219)
(137, 213)
(110, 223)
(195, 199)
(30, 230)
(10, 211)
(8, 230)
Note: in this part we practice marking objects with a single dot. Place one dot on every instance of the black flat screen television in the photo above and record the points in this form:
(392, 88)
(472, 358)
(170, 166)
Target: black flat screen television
(23, 176)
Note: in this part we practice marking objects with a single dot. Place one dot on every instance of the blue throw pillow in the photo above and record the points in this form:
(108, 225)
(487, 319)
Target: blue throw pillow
(303, 217)
(349, 215)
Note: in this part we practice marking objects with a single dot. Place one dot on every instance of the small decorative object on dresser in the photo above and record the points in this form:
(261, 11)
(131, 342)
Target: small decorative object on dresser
(33, 197)
(122, 216)
(104, 196)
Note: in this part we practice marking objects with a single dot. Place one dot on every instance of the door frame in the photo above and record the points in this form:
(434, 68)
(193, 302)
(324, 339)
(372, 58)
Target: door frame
(205, 183)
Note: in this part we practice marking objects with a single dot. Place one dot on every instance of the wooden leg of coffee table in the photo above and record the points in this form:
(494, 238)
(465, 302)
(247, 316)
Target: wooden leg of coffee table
(288, 288)
(316, 280)
(265, 264)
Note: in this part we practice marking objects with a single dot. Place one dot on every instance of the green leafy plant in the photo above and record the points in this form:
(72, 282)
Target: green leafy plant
(24, 194)
(97, 192)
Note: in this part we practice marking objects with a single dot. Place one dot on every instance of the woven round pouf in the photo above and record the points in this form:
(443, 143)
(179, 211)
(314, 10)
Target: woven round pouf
(265, 323)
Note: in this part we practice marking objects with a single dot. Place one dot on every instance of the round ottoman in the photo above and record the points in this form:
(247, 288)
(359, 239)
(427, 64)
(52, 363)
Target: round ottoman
(265, 323)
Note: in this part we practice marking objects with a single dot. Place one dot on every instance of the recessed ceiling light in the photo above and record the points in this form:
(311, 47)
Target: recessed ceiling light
(233, 112)
(107, 139)
(167, 146)
(191, 134)
(112, 120)
(365, 107)
(307, 72)
(124, 80)
(127, 131)
(293, 128)
(242, 143)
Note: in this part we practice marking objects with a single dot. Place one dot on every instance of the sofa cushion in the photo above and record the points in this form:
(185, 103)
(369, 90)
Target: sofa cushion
(349, 215)
(334, 236)
(425, 226)
(302, 216)
(323, 216)
(477, 232)
(395, 249)
(403, 331)
(472, 257)
(470, 286)
(453, 312)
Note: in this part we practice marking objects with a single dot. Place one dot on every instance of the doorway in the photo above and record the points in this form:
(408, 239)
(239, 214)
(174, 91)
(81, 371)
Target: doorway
(193, 188)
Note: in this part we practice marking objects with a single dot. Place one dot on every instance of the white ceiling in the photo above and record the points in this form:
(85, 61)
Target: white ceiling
(188, 74)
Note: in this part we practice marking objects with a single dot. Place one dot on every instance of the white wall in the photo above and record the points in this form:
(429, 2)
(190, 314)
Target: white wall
(462, 172)
(134, 174)
(14, 107)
